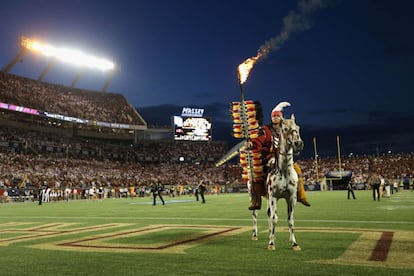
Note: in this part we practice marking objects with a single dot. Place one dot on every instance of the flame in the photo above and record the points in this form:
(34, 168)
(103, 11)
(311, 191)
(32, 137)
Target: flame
(245, 67)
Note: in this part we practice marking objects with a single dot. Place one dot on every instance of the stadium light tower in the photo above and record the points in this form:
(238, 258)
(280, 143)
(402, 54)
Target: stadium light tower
(65, 55)
(22, 53)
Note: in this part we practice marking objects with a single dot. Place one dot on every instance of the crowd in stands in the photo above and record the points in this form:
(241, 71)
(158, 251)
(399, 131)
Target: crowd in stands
(58, 99)
(33, 160)
(36, 159)
(162, 151)
(392, 167)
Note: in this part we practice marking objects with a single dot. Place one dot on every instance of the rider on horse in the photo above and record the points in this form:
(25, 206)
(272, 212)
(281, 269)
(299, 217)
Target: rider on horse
(267, 144)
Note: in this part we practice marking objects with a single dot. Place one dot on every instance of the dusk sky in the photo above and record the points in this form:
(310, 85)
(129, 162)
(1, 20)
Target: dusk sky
(347, 67)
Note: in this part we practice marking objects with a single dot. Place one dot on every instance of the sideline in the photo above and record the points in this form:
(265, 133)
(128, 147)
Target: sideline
(212, 219)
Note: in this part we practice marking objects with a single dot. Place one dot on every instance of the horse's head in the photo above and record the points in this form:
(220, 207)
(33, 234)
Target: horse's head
(292, 133)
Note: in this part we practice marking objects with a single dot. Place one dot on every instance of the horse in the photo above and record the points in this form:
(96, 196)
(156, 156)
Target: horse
(281, 181)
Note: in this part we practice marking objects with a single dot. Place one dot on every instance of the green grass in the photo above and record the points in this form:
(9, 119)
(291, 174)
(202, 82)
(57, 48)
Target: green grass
(185, 237)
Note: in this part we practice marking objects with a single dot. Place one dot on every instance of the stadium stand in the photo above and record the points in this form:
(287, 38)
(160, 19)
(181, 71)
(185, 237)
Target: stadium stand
(37, 151)
(84, 104)
(394, 168)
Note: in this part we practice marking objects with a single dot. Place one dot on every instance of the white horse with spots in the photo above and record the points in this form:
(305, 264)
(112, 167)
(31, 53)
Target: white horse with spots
(282, 179)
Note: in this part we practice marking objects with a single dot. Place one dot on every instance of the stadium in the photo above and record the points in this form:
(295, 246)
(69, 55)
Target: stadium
(95, 154)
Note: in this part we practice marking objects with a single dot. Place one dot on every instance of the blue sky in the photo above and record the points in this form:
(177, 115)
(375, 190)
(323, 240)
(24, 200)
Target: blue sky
(349, 73)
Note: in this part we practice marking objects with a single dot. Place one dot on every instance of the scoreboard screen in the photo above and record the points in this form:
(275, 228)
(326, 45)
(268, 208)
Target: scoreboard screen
(192, 128)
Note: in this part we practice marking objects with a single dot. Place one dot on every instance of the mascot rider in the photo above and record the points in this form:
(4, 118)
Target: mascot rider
(267, 144)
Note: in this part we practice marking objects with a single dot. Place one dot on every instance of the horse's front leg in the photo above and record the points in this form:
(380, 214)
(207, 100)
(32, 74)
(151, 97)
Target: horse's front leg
(291, 223)
(254, 232)
(272, 220)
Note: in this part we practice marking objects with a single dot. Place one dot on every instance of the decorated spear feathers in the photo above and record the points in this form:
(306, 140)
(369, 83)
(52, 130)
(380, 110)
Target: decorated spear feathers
(247, 117)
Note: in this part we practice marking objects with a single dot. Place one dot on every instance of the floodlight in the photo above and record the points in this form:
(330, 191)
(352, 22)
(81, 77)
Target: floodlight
(75, 57)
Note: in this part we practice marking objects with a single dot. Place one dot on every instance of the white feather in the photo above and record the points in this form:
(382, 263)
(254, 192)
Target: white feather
(280, 106)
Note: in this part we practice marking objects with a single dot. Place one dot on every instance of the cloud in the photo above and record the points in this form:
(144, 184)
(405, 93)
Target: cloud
(218, 111)
(385, 131)
(159, 115)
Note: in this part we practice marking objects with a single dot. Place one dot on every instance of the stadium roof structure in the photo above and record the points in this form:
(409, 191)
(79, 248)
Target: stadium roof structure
(65, 55)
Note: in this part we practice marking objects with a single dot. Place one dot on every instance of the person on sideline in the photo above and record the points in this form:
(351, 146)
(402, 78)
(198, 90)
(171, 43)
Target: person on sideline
(350, 188)
(374, 180)
(156, 189)
(200, 191)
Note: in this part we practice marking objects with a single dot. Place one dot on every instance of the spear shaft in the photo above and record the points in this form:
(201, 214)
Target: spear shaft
(246, 132)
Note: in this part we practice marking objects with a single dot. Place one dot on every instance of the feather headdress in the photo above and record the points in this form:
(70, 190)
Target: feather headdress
(277, 110)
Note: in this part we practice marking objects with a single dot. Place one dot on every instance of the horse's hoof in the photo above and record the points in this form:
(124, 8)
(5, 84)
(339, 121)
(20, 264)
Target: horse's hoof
(296, 247)
(271, 247)
(254, 238)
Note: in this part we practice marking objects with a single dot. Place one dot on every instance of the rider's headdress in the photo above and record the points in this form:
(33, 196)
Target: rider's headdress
(277, 110)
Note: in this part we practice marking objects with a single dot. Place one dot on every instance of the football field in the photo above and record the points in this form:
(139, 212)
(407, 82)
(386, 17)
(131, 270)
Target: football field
(184, 237)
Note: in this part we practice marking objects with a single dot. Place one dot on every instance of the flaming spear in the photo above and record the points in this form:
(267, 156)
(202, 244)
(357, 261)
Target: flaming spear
(294, 22)
(241, 117)
(245, 118)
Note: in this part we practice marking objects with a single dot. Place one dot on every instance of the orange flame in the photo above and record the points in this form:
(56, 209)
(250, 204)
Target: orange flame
(245, 67)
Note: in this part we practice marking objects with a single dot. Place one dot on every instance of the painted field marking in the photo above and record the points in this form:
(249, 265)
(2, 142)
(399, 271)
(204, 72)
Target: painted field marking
(379, 248)
(104, 242)
(373, 247)
(11, 235)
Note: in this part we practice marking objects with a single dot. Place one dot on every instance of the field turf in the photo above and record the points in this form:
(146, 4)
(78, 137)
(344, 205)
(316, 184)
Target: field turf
(184, 237)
